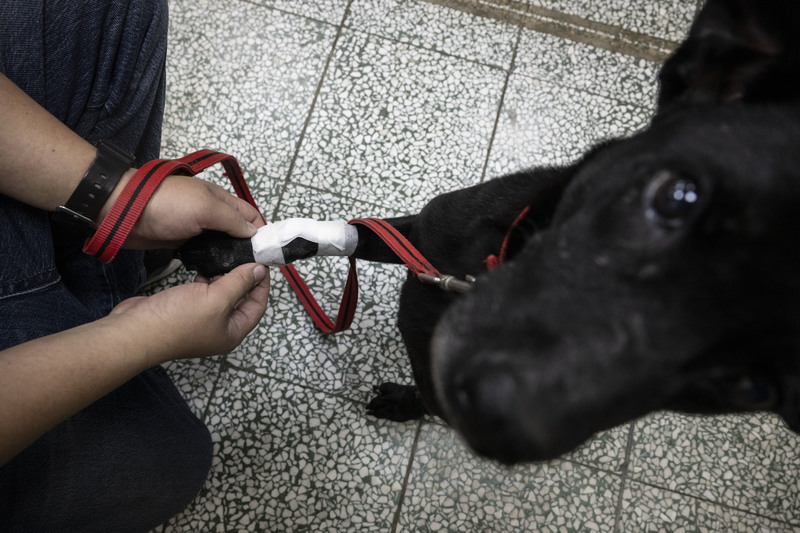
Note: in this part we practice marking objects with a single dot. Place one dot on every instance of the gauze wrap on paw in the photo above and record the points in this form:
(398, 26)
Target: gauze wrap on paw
(333, 238)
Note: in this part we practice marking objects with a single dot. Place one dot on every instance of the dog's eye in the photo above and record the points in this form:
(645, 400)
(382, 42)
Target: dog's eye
(671, 197)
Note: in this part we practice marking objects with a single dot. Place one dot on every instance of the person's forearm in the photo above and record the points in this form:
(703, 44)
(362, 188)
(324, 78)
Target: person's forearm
(41, 160)
(44, 381)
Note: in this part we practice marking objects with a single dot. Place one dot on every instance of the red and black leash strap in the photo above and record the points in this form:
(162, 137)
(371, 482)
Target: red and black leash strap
(412, 258)
(117, 225)
(402, 248)
(347, 307)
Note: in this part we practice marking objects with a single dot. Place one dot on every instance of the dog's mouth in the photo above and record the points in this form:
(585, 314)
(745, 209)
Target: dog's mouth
(483, 402)
(533, 393)
(486, 399)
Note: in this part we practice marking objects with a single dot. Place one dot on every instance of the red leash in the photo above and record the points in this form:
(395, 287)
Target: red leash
(115, 228)
(119, 222)
(117, 225)
(402, 248)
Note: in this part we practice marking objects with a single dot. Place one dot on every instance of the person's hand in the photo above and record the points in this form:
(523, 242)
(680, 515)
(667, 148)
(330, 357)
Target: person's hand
(182, 207)
(199, 319)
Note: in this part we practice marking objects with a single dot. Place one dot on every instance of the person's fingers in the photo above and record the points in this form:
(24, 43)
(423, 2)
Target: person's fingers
(234, 285)
(240, 219)
(249, 212)
(250, 309)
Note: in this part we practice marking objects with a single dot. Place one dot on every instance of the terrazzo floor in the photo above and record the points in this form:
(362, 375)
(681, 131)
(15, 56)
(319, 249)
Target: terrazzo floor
(344, 108)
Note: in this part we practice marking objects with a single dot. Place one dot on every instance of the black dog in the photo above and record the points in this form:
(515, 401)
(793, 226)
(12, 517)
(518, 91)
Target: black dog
(661, 271)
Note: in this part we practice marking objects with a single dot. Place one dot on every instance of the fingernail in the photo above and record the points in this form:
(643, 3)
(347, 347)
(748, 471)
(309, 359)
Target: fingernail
(251, 227)
(259, 273)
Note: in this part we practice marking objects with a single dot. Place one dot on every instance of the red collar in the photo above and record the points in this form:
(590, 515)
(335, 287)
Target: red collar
(494, 261)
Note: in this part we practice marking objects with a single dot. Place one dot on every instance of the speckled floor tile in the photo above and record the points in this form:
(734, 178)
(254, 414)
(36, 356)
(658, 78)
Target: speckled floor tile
(563, 97)
(242, 84)
(547, 124)
(647, 509)
(330, 11)
(604, 451)
(452, 490)
(398, 124)
(747, 462)
(429, 26)
(291, 459)
(195, 379)
(287, 345)
(586, 67)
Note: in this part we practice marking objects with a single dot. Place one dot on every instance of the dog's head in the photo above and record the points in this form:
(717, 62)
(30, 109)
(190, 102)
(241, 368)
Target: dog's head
(668, 278)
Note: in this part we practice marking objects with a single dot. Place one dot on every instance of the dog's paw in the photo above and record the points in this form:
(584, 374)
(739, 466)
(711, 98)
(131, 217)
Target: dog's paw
(396, 402)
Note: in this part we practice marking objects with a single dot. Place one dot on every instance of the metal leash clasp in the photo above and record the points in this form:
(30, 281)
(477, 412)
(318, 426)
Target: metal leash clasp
(448, 282)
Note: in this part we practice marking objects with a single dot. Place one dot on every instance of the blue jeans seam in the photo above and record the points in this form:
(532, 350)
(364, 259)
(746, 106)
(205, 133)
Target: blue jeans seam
(23, 282)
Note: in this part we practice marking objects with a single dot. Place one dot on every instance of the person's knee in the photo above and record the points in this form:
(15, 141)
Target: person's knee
(165, 476)
(164, 454)
(128, 463)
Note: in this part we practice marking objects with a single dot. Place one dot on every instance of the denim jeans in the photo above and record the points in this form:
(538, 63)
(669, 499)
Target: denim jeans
(137, 456)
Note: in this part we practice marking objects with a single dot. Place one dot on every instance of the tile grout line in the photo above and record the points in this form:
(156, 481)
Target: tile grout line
(624, 477)
(339, 29)
(693, 497)
(699, 498)
(401, 498)
(220, 363)
(501, 105)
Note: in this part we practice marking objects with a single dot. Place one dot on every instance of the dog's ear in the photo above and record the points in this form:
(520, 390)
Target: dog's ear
(737, 50)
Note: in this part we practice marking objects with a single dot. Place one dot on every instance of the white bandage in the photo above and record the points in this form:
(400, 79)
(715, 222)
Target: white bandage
(333, 237)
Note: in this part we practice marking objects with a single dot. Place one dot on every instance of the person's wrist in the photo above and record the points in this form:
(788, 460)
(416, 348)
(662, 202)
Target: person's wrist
(84, 205)
(142, 337)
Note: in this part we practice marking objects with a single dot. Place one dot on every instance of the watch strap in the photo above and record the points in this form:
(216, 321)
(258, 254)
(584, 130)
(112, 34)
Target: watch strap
(86, 202)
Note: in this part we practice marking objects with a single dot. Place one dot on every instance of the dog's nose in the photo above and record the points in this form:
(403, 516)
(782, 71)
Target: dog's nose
(487, 393)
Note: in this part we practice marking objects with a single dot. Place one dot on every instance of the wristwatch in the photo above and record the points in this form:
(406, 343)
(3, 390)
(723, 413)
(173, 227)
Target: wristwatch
(96, 186)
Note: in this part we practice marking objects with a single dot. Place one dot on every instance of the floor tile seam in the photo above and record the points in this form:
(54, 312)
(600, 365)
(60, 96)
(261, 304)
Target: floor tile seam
(221, 368)
(426, 48)
(302, 135)
(349, 198)
(292, 13)
(724, 505)
(406, 477)
(572, 27)
(260, 372)
(597, 469)
(500, 106)
(624, 472)
(586, 91)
